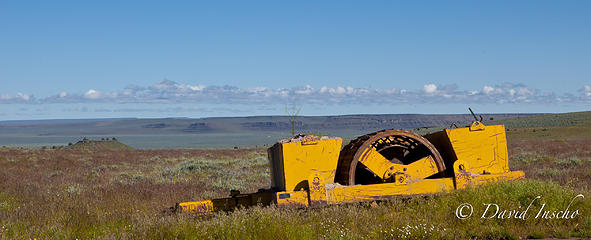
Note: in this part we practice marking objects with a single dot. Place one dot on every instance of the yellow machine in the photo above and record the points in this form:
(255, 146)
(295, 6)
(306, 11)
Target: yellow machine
(315, 171)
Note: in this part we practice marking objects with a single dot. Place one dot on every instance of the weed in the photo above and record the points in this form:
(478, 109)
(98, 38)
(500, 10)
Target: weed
(120, 194)
(551, 172)
(75, 189)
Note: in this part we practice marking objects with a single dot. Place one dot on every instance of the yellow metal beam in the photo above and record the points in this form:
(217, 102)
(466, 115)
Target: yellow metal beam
(417, 170)
(383, 168)
(464, 177)
(382, 191)
(375, 162)
(198, 207)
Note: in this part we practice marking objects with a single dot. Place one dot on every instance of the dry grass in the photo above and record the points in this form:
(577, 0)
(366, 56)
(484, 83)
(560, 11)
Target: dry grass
(566, 162)
(86, 194)
(71, 192)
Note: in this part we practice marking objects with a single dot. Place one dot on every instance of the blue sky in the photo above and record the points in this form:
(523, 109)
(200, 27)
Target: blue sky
(81, 59)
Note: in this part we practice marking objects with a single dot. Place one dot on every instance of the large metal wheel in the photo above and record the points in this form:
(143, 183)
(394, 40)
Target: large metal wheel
(397, 145)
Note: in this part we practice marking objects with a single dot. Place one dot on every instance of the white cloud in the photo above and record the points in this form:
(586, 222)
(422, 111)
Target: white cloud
(587, 90)
(305, 91)
(525, 92)
(22, 96)
(336, 91)
(196, 88)
(430, 88)
(172, 92)
(512, 92)
(488, 89)
(256, 89)
(92, 94)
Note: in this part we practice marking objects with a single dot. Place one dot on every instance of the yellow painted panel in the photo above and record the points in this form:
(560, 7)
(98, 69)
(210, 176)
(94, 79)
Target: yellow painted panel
(317, 190)
(464, 178)
(357, 193)
(302, 159)
(482, 149)
(228, 204)
(198, 207)
(490, 178)
(292, 199)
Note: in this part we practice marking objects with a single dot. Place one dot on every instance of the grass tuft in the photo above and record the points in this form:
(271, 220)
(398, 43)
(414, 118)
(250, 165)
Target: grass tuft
(84, 194)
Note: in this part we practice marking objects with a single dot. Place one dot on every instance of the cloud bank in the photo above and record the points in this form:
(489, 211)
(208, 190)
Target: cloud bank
(172, 92)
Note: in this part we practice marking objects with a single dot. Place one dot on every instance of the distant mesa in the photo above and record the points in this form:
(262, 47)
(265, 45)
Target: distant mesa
(266, 125)
(103, 144)
(198, 128)
(155, 125)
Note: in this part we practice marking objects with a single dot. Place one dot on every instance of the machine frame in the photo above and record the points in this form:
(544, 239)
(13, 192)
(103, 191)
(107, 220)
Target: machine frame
(304, 169)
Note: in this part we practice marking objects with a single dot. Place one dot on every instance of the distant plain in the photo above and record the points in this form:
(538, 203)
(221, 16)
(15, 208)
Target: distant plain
(229, 132)
(102, 190)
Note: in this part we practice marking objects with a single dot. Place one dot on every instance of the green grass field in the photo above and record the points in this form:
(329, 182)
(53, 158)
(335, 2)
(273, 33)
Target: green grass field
(93, 193)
